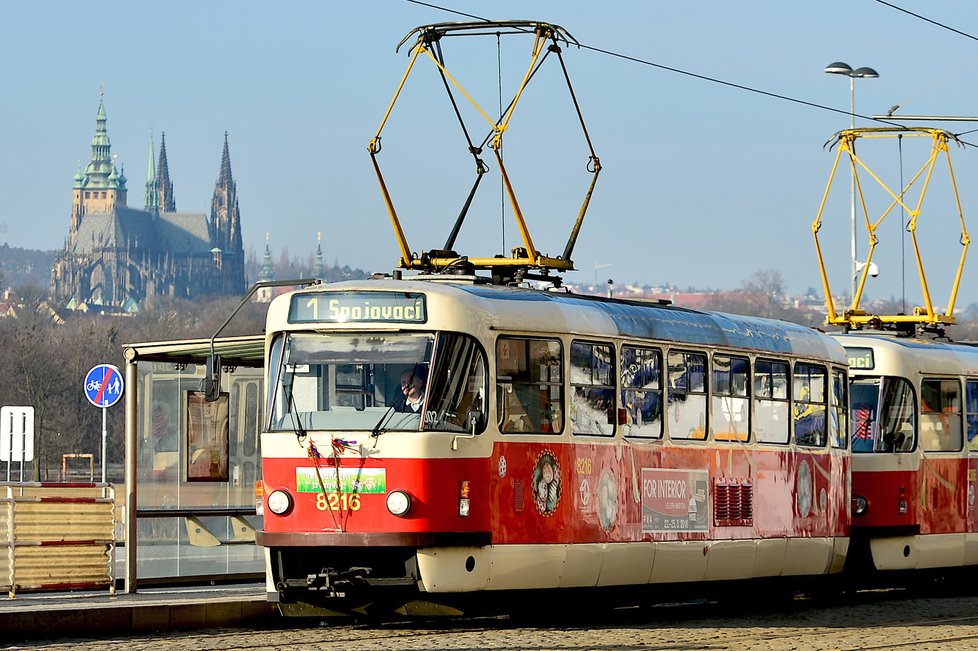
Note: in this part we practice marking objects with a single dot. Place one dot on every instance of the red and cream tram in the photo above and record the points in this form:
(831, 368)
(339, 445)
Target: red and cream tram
(914, 437)
(560, 442)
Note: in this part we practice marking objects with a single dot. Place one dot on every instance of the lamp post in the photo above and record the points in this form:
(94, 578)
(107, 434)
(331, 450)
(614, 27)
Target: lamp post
(840, 68)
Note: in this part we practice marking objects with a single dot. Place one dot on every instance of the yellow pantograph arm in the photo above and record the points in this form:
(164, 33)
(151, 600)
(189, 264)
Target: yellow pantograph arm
(374, 146)
(504, 121)
(462, 90)
(531, 252)
(816, 227)
(538, 43)
(406, 256)
(965, 239)
(374, 149)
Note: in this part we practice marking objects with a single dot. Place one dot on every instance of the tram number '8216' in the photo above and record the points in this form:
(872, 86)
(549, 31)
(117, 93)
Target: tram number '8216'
(337, 502)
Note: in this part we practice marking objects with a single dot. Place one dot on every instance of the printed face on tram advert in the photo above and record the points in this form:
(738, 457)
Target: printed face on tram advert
(353, 307)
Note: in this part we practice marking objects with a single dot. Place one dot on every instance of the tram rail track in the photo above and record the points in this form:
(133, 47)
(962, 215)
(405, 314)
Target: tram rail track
(870, 620)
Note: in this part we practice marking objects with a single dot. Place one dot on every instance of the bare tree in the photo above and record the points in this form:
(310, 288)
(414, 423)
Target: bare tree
(762, 295)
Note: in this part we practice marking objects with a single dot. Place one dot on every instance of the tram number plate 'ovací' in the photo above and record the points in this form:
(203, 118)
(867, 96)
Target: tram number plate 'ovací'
(337, 502)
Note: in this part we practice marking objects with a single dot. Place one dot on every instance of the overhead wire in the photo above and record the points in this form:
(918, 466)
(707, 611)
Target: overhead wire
(925, 19)
(942, 26)
(722, 82)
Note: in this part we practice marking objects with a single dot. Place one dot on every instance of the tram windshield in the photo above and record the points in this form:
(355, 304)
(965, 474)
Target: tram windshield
(883, 415)
(377, 382)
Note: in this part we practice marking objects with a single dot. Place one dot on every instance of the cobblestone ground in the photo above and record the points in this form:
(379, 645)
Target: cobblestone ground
(871, 623)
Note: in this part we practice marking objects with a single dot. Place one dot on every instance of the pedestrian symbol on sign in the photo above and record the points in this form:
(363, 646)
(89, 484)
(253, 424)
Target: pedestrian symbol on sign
(104, 385)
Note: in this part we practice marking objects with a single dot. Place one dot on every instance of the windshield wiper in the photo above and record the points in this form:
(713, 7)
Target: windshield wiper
(380, 428)
(297, 427)
(398, 403)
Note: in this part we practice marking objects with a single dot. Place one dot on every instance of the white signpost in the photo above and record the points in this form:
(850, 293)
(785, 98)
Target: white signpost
(103, 388)
(16, 436)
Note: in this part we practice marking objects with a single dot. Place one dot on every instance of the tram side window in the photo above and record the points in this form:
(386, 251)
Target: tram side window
(687, 396)
(731, 404)
(529, 385)
(898, 417)
(839, 416)
(940, 415)
(592, 399)
(458, 385)
(641, 390)
(809, 396)
(771, 401)
(865, 393)
(971, 409)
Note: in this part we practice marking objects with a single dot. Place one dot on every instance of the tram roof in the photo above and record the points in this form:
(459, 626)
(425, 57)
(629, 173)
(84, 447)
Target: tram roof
(519, 307)
(246, 350)
(929, 348)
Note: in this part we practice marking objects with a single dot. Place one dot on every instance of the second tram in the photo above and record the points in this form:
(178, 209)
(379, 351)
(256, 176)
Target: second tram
(915, 451)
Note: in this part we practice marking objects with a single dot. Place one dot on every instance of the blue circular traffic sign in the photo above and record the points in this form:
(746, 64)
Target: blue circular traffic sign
(104, 385)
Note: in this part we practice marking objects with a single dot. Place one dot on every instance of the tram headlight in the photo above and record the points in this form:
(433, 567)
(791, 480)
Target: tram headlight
(859, 505)
(279, 502)
(398, 502)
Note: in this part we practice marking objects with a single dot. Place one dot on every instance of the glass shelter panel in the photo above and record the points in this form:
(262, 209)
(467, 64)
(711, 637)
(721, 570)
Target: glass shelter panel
(177, 533)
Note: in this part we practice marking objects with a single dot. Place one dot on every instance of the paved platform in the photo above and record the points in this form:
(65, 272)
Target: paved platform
(33, 616)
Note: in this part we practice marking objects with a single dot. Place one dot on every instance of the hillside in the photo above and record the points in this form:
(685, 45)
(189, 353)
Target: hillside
(19, 267)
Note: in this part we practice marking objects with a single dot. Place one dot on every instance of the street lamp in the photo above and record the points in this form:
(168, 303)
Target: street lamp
(840, 68)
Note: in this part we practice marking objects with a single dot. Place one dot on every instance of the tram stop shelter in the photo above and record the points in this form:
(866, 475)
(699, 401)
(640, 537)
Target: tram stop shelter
(191, 464)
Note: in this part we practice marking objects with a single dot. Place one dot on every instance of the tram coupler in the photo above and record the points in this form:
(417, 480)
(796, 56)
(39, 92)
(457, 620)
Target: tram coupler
(335, 584)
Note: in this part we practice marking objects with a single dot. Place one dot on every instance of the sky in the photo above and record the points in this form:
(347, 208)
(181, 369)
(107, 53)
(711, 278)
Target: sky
(702, 184)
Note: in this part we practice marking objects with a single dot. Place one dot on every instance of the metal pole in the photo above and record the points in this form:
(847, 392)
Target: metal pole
(132, 424)
(104, 437)
(23, 446)
(852, 187)
(10, 447)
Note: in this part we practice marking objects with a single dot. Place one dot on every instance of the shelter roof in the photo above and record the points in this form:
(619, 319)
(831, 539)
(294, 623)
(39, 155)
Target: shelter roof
(244, 350)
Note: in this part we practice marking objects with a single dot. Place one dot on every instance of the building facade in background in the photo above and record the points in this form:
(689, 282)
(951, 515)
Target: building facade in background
(116, 256)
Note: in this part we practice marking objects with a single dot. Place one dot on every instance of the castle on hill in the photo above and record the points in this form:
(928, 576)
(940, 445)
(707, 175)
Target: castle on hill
(115, 256)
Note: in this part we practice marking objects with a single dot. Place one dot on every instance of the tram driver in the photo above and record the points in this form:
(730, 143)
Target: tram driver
(413, 388)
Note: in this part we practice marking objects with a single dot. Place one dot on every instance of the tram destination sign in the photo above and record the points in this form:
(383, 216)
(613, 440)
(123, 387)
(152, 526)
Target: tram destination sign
(354, 307)
(861, 358)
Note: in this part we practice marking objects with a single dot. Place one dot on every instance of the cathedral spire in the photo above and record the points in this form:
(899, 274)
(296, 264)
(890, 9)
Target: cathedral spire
(152, 195)
(99, 169)
(266, 272)
(166, 201)
(225, 217)
(225, 175)
(320, 270)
